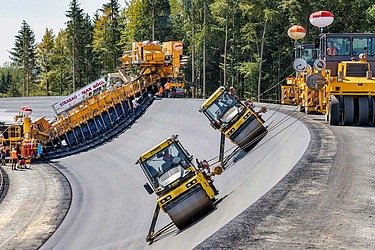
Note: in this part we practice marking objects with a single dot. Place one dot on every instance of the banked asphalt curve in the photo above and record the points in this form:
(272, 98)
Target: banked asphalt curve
(326, 200)
(110, 208)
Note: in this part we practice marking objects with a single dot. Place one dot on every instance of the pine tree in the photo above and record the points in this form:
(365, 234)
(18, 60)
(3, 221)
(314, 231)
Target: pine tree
(147, 20)
(106, 37)
(45, 60)
(156, 13)
(75, 28)
(114, 30)
(177, 20)
(23, 54)
(11, 80)
(130, 19)
(91, 62)
(5, 80)
(62, 65)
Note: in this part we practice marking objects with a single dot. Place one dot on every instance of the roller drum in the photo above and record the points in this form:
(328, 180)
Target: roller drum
(189, 207)
(250, 132)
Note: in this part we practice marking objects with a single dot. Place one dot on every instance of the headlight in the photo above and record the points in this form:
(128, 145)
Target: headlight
(166, 199)
(191, 183)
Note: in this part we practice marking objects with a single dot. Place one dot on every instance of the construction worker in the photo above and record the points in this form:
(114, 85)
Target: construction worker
(14, 158)
(39, 150)
(167, 89)
(3, 152)
(22, 163)
(205, 166)
(331, 49)
(135, 103)
(249, 103)
(232, 92)
(167, 158)
(161, 91)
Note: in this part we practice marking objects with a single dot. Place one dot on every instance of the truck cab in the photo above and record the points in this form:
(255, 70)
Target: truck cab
(308, 52)
(166, 165)
(346, 48)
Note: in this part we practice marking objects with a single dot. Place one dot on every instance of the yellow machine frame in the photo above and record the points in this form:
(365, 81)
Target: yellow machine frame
(257, 124)
(179, 187)
(355, 87)
(179, 193)
(141, 69)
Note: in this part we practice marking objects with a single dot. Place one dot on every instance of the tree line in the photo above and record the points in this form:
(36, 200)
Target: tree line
(240, 43)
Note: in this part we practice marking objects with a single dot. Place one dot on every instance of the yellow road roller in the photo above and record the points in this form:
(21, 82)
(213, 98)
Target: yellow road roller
(185, 191)
(237, 121)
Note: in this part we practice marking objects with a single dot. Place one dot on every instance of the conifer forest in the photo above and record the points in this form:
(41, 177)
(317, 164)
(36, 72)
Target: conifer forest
(240, 43)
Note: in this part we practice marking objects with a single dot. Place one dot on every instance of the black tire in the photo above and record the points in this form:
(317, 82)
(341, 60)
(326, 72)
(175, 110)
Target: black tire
(373, 110)
(334, 111)
(363, 110)
(301, 108)
(348, 117)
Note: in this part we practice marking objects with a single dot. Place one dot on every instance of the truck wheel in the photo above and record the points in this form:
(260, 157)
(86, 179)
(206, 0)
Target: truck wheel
(363, 110)
(334, 111)
(348, 117)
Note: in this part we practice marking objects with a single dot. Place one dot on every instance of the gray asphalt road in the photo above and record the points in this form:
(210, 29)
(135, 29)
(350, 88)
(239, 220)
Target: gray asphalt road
(350, 199)
(110, 208)
(9, 107)
(326, 201)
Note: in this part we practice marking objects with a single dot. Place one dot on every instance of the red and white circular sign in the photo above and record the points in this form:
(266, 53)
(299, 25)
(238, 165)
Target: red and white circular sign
(321, 18)
(26, 110)
(296, 32)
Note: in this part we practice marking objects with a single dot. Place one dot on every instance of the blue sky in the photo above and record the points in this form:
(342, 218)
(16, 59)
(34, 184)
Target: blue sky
(39, 14)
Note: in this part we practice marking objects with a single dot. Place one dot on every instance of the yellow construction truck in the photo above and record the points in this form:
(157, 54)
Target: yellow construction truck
(20, 135)
(238, 122)
(349, 96)
(340, 82)
(185, 191)
(291, 91)
(105, 106)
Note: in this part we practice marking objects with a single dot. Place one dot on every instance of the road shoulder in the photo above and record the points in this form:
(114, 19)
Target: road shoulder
(35, 205)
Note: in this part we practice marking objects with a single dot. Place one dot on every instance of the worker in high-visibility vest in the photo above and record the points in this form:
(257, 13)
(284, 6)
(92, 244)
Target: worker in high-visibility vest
(167, 89)
(14, 158)
(161, 91)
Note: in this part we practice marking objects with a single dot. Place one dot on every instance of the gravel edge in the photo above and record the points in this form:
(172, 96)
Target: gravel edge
(4, 184)
(36, 204)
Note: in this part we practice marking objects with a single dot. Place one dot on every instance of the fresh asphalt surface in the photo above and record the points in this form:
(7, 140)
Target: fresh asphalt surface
(111, 209)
